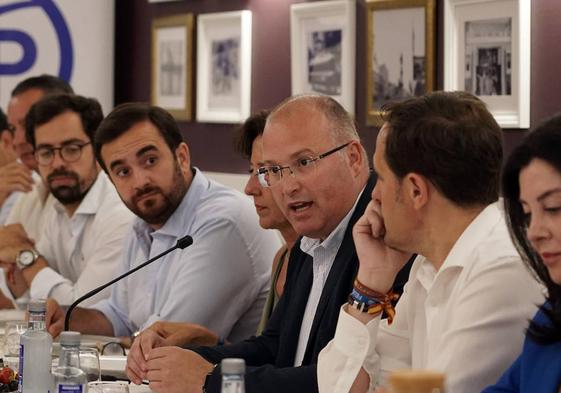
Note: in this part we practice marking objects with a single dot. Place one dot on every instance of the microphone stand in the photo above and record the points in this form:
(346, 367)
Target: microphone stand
(182, 243)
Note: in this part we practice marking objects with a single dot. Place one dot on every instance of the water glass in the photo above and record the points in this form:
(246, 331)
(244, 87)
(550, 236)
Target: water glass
(89, 363)
(12, 334)
(108, 387)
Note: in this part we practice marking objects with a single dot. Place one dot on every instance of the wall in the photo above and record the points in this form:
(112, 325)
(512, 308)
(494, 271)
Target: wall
(211, 144)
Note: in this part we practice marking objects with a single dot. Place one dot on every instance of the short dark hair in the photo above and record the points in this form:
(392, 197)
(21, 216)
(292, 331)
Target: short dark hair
(49, 84)
(543, 143)
(451, 139)
(124, 116)
(51, 106)
(249, 131)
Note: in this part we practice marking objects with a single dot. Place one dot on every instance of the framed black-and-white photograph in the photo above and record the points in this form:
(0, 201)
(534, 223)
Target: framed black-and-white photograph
(401, 55)
(172, 65)
(224, 67)
(322, 41)
(487, 53)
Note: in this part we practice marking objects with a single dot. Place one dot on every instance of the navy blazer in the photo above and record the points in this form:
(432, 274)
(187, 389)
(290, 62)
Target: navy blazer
(270, 357)
(537, 369)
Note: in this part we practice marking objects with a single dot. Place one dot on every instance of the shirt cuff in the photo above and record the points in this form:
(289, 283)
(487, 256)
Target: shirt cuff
(44, 282)
(120, 329)
(352, 348)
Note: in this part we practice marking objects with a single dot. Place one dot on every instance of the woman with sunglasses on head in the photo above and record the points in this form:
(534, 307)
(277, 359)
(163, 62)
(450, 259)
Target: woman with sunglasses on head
(249, 144)
(532, 199)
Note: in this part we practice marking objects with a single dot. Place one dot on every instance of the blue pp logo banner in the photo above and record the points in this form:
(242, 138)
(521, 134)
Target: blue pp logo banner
(71, 39)
(28, 45)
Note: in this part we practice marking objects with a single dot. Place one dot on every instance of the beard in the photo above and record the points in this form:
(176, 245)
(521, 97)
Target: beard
(154, 205)
(67, 194)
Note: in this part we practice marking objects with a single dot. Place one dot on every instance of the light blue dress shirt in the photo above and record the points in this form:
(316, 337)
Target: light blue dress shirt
(221, 281)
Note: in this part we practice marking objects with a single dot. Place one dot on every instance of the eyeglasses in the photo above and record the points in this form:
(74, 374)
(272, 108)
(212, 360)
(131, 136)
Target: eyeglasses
(272, 175)
(69, 153)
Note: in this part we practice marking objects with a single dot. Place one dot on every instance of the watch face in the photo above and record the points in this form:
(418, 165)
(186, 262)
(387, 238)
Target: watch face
(26, 257)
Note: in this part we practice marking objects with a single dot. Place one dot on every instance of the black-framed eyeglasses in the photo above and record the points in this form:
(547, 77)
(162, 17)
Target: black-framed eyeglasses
(271, 175)
(70, 152)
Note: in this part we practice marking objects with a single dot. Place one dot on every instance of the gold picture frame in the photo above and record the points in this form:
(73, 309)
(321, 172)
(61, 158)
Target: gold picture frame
(172, 65)
(397, 65)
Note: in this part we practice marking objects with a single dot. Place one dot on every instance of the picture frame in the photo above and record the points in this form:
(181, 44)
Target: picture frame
(400, 52)
(323, 46)
(224, 67)
(487, 53)
(172, 65)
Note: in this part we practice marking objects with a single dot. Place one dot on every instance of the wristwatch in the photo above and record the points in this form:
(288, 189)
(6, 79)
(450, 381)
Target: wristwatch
(26, 258)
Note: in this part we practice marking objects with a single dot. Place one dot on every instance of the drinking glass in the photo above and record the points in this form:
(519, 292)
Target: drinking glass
(12, 334)
(108, 387)
(89, 363)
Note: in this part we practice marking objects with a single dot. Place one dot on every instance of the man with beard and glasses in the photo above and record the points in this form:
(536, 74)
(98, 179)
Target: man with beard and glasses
(220, 282)
(84, 232)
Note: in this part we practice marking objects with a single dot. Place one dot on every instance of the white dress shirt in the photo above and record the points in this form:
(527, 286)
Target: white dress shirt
(467, 319)
(83, 251)
(7, 206)
(221, 281)
(32, 209)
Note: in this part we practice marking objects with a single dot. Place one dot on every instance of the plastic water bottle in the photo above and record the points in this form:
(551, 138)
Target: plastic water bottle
(68, 377)
(35, 352)
(233, 371)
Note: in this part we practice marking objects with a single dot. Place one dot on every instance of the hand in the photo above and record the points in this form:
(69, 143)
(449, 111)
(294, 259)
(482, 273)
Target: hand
(54, 318)
(138, 354)
(15, 279)
(379, 264)
(176, 370)
(15, 177)
(5, 302)
(13, 239)
(183, 333)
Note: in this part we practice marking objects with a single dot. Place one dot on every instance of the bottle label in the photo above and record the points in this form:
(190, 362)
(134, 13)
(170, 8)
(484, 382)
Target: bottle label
(20, 371)
(61, 388)
(232, 387)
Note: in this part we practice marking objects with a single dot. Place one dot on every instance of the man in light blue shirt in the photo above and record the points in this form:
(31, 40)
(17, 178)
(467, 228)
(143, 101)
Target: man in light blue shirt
(221, 281)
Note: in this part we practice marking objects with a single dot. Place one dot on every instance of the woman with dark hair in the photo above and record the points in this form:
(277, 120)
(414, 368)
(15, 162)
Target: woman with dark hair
(249, 144)
(532, 198)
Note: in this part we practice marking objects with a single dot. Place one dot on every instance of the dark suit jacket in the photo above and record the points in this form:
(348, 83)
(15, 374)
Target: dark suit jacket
(270, 357)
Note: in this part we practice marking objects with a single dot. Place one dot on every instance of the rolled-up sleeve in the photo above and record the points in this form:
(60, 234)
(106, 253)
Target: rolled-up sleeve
(101, 263)
(352, 348)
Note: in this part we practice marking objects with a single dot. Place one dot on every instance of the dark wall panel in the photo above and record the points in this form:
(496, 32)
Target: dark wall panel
(211, 144)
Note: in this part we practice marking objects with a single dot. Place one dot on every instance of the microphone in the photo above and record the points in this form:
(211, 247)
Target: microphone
(182, 243)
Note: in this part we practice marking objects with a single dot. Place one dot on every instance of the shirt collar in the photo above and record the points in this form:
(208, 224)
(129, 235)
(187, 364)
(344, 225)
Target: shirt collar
(335, 238)
(460, 254)
(473, 235)
(93, 198)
